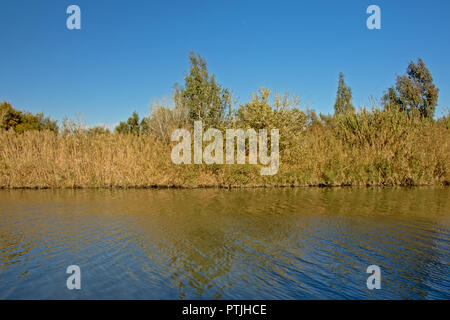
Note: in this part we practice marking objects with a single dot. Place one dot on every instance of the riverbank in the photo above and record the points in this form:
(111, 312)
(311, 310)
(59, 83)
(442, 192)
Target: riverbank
(388, 155)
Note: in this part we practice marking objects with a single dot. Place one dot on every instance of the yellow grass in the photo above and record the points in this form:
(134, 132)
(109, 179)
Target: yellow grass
(320, 155)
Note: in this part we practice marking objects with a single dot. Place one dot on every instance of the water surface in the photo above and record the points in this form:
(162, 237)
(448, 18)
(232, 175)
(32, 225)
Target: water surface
(305, 243)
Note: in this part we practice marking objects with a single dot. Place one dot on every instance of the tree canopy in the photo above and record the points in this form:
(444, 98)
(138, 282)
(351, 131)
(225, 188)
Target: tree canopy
(131, 126)
(21, 121)
(343, 103)
(414, 92)
(202, 96)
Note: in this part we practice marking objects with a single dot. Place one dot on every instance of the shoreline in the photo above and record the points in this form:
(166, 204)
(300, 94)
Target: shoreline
(387, 148)
(223, 187)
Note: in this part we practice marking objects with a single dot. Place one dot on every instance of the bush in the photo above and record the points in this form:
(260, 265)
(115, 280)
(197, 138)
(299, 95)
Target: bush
(282, 114)
(20, 121)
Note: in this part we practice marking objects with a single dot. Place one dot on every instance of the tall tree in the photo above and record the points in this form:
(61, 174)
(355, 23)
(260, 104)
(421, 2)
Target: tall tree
(203, 97)
(343, 103)
(414, 91)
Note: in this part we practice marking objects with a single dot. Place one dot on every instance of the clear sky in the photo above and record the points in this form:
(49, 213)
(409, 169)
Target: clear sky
(129, 53)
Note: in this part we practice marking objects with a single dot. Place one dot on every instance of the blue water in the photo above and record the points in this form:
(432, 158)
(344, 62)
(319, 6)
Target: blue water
(306, 243)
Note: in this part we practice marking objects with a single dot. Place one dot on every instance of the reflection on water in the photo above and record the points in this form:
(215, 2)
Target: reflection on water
(225, 244)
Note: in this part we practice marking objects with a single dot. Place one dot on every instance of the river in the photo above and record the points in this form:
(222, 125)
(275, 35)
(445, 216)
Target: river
(304, 243)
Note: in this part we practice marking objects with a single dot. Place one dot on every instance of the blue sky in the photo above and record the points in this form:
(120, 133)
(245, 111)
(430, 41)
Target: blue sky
(129, 53)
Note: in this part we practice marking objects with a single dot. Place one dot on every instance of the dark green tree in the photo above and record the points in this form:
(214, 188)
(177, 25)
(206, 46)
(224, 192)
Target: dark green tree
(98, 130)
(202, 96)
(414, 92)
(343, 103)
(20, 121)
(131, 126)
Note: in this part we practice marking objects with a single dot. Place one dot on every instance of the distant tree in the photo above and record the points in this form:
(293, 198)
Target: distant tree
(281, 112)
(134, 124)
(9, 116)
(327, 119)
(414, 91)
(131, 126)
(98, 130)
(122, 128)
(145, 128)
(203, 97)
(445, 119)
(343, 103)
(20, 121)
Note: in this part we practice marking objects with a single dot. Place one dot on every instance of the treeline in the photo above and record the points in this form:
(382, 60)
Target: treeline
(20, 121)
(412, 100)
(202, 98)
(395, 142)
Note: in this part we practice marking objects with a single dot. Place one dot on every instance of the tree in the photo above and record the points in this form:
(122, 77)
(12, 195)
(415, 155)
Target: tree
(131, 126)
(281, 113)
(343, 103)
(256, 114)
(414, 92)
(20, 121)
(96, 130)
(203, 97)
(9, 116)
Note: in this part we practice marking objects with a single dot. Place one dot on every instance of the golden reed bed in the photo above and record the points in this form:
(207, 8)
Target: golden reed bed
(364, 153)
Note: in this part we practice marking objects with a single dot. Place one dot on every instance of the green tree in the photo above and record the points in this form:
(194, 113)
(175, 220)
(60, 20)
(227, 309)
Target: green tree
(202, 96)
(414, 92)
(343, 103)
(20, 121)
(9, 116)
(281, 113)
(98, 130)
(131, 126)
(256, 114)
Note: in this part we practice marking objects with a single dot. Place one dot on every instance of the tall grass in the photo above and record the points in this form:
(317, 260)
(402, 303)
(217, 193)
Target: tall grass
(371, 147)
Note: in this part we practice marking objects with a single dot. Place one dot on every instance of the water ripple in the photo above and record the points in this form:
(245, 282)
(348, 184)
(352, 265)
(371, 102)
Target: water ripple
(217, 244)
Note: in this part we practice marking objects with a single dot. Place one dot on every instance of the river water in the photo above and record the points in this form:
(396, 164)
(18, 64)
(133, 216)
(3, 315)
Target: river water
(305, 243)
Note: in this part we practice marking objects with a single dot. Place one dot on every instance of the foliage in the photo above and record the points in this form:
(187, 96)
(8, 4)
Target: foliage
(382, 145)
(132, 126)
(343, 103)
(202, 96)
(371, 147)
(414, 92)
(98, 130)
(282, 114)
